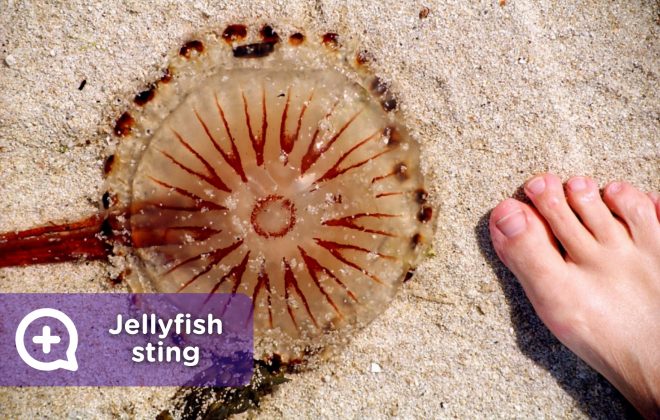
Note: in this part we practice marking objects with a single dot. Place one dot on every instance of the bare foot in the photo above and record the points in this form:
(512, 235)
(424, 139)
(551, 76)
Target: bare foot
(601, 297)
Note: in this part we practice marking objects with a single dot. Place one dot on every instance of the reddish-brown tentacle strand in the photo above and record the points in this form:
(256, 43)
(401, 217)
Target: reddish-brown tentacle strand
(313, 150)
(196, 207)
(216, 256)
(264, 125)
(263, 280)
(232, 159)
(351, 223)
(258, 143)
(314, 267)
(290, 282)
(314, 276)
(400, 170)
(153, 235)
(335, 250)
(214, 178)
(184, 192)
(286, 141)
(388, 194)
(334, 171)
(56, 243)
(236, 274)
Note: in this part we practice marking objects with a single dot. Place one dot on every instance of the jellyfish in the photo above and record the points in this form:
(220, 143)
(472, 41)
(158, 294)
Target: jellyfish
(276, 167)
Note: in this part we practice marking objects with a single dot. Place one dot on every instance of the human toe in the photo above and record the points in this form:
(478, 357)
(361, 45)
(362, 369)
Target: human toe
(655, 197)
(547, 194)
(635, 209)
(584, 198)
(524, 243)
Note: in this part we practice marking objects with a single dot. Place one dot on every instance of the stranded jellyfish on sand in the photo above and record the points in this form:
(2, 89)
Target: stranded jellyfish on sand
(274, 167)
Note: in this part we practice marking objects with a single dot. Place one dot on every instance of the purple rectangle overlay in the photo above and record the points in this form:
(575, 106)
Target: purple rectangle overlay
(123, 339)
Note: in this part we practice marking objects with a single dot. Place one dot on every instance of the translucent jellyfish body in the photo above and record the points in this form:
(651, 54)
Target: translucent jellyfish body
(277, 168)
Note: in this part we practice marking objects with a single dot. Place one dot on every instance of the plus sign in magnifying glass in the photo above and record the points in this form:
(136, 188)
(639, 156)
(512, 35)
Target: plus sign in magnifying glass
(46, 339)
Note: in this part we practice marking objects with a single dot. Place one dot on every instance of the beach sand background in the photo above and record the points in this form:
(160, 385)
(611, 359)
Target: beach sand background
(495, 91)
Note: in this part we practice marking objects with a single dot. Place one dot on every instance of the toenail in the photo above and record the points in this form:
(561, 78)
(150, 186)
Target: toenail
(512, 224)
(615, 187)
(577, 184)
(536, 186)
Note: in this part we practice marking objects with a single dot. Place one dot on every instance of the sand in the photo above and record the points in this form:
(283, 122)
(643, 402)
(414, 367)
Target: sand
(495, 91)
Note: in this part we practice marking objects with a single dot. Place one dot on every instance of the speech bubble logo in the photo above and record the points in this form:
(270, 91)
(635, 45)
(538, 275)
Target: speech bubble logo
(46, 339)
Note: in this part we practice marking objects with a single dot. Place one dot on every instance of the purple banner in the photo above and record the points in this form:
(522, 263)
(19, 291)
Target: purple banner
(125, 340)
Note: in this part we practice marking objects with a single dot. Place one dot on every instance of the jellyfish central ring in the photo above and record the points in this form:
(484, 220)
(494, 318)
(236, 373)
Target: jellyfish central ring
(273, 216)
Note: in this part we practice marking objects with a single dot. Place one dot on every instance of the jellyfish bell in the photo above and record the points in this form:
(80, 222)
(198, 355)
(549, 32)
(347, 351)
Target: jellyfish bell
(273, 168)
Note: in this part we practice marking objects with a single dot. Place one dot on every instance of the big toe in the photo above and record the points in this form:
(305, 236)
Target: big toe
(524, 242)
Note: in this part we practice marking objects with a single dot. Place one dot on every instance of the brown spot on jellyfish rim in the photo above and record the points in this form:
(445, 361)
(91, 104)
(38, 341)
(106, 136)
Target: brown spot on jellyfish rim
(108, 164)
(167, 76)
(425, 214)
(363, 57)
(392, 136)
(401, 171)
(378, 86)
(296, 38)
(301, 192)
(234, 33)
(256, 50)
(145, 96)
(108, 200)
(330, 40)
(190, 46)
(268, 34)
(124, 125)
(421, 196)
(389, 104)
(382, 89)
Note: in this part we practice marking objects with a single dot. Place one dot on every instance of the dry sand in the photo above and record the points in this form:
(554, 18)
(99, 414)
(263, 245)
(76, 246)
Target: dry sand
(494, 92)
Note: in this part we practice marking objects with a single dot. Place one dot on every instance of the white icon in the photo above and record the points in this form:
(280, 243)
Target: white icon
(46, 340)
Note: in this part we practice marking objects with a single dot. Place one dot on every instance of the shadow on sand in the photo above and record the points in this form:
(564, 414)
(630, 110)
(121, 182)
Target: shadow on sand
(593, 394)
